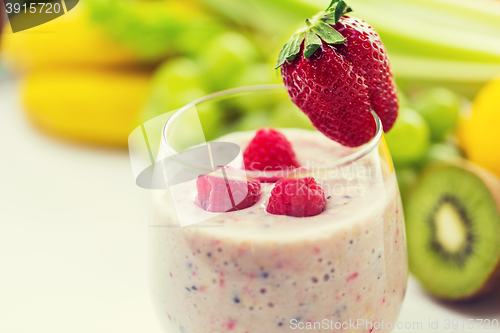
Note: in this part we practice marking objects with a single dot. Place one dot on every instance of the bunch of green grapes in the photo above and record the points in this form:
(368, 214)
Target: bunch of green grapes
(230, 60)
(424, 131)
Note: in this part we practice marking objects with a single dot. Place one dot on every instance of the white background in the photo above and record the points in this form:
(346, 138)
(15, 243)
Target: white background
(73, 240)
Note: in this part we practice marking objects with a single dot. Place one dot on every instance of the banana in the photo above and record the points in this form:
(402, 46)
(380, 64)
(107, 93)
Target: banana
(92, 105)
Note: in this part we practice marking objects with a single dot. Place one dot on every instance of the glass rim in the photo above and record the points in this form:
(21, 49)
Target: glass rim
(363, 150)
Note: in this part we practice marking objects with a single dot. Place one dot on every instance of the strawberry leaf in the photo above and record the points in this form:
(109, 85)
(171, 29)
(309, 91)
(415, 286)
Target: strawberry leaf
(329, 18)
(331, 5)
(327, 33)
(339, 10)
(313, 42)
(290, 50)
(281, 56)
(319, 29)
(295, 46)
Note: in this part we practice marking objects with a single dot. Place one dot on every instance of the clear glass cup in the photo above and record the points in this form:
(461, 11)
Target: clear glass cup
(251, 271)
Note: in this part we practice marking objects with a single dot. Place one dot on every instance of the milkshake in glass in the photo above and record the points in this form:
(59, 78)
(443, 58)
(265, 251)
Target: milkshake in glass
(249, 271)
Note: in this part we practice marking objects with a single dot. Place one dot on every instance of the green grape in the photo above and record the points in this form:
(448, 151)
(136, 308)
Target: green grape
(211, 120)
(440, 108)
(442, 152)
(253, 121)
(258, 74)
(287, 115)
(187, 131)
(406, 178)
(198, 35)
(154, 30)
(175, 84)
(403, 100)
(409, 139)
(226, 59)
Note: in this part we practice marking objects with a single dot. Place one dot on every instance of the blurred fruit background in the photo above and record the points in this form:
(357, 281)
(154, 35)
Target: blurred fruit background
(96, 73)
(115, 63)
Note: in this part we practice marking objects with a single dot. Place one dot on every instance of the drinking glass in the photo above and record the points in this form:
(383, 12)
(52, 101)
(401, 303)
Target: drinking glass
(246, 270)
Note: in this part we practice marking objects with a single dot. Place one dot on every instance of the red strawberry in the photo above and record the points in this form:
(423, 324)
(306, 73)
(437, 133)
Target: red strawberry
(220, 193)
(337, 71)
(371, 62)
(299, 197)
(269, 150)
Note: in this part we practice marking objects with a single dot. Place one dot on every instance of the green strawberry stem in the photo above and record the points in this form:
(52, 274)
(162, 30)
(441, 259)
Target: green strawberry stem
(318, 28)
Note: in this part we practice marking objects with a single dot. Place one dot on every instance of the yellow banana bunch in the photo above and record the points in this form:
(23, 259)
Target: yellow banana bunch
(78, 83)
(95, 105)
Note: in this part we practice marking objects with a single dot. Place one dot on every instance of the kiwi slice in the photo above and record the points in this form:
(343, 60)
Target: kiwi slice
(453, 228)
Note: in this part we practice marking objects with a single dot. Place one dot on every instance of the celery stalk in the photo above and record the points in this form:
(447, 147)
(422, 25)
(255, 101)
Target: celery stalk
(270, 17)
(154, 30)
(446, 42)
(438, 69)
(435, 28)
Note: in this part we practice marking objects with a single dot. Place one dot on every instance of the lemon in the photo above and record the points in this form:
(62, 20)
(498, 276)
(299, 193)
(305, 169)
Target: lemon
(480, 135)
(95, 105)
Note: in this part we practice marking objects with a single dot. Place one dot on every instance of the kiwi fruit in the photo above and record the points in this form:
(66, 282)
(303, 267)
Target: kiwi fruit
(453, 230)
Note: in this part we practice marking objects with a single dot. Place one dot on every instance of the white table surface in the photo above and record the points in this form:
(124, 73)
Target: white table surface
(73, 240)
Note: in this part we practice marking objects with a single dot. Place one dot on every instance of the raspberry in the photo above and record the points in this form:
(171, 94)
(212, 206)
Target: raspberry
(299, 197)
(269, 150)
(218, 195)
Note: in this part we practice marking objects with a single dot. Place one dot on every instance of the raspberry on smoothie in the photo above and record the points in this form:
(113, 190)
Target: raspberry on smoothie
(299, 197)
(221, 194)
(269, 150)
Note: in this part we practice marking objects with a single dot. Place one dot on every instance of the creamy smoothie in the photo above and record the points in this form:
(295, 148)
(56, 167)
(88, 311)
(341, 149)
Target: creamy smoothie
(250, 271)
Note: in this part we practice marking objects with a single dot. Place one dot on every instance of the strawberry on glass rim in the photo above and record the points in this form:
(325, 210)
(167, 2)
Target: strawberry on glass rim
(336, 70)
